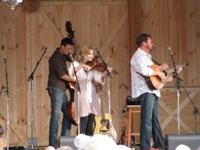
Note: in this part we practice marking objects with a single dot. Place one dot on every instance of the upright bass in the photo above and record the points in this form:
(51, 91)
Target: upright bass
(70, 112)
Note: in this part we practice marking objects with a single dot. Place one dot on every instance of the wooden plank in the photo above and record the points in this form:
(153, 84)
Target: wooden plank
(28, 68)
(19, 84)
(198, 38)
(173, 40)
(162, 44)
(85, 2)
(191, 48)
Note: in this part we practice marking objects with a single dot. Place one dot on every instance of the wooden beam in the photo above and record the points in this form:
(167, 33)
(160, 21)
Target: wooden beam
(12, 126)
(85, 2)
(10, 23)
(50, 23)
(173, 115)
(173, 88)
(114, 32)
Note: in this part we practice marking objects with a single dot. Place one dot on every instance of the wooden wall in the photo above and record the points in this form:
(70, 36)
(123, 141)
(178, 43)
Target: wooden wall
(111, 27)
(23, 36)
(172, 24)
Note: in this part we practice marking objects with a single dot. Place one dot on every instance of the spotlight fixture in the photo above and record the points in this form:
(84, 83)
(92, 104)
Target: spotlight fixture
(12, 3)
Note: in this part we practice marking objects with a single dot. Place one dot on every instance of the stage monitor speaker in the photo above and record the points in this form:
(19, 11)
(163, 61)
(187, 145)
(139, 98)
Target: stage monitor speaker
(67, 141)
(174, 140)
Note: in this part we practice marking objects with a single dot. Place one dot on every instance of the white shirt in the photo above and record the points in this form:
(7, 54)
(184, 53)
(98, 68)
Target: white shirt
(140, 63)
(89, 102)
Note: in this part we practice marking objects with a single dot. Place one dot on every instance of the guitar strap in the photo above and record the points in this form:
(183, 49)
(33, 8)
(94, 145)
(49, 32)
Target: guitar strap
(147, 79)
(156, 62)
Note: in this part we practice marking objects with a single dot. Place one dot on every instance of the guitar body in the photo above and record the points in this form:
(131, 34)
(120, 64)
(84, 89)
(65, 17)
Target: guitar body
(157, 83)
(71, 113)
(105, 129)
(154, 82)
(70, 108)
(99, 126)
(104, 124)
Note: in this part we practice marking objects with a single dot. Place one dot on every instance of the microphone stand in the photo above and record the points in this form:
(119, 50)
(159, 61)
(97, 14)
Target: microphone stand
(109, 101)
(32, 141)
(103, 63)
(7, 105)
(79, 91)
(2, 87)
(177, 90)
(196, 110)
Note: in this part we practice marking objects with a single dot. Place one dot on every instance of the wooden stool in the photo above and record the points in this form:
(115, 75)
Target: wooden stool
(131, 109)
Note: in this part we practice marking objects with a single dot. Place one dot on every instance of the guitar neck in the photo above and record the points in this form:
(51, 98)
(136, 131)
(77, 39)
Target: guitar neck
(173, 69)
(102, 104)
(170, 71)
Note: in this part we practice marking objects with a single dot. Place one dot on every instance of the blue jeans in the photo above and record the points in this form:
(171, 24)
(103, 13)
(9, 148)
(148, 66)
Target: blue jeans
(150, 121)
(58, 104)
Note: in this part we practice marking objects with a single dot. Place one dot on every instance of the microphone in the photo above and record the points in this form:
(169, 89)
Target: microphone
(4, 59)
(96, 57)
(45, 48)
(170, 50)
(71, 57)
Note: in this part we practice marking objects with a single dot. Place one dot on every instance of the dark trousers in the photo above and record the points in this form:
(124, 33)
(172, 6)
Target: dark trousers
(150, 121)
(87, 124)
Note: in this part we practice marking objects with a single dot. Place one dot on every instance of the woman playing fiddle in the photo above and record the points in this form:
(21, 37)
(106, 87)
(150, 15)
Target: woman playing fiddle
(88, 99)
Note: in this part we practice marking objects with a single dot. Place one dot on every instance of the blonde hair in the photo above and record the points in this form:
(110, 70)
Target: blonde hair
(85, 49)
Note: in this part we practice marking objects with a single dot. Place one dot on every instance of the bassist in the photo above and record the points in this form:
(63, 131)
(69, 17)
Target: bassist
(57, 84)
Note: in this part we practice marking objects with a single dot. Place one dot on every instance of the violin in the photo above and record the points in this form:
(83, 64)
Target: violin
(94, 64)
(101, 67)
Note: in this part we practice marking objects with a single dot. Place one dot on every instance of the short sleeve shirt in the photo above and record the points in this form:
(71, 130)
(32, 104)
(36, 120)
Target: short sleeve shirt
(57, 68)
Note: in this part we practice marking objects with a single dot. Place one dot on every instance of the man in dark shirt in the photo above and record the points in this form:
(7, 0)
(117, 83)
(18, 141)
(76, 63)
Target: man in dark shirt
(57, 83)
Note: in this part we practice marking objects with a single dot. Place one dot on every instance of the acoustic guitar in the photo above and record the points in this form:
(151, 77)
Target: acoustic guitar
(103, 125)
(154, 82)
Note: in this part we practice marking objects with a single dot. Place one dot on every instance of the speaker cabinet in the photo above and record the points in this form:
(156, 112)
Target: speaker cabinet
(174, 140)
(67, 141)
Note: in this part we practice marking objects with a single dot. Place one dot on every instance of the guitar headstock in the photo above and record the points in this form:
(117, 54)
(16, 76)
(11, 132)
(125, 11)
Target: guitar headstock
(180, 67)
(185, 64)
(99, 87)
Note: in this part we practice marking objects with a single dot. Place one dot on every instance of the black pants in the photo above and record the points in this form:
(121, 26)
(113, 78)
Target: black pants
(87, 124)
